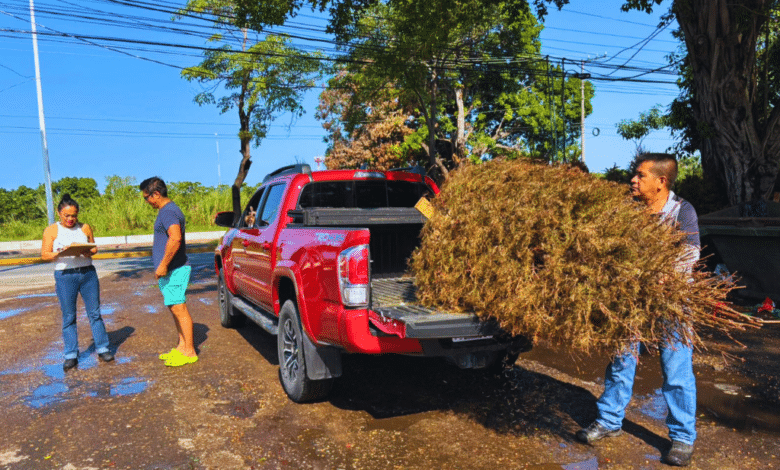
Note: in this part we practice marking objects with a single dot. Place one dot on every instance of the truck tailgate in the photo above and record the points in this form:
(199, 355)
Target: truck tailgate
(396, 299)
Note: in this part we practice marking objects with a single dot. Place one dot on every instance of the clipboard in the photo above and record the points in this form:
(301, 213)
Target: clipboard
(76, 249)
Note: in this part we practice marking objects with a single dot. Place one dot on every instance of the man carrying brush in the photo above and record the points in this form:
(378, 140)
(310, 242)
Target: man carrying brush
(651, 185)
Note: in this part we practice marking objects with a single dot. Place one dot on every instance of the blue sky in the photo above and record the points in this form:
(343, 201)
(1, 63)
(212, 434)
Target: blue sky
(111, 113)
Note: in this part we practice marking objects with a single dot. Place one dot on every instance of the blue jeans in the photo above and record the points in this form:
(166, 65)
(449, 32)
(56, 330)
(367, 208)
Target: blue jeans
(68, 287)
(679, 390)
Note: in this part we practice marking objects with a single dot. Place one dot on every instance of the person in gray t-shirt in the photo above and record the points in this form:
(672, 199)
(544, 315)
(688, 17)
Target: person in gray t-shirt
(169, 256)
(652, 185)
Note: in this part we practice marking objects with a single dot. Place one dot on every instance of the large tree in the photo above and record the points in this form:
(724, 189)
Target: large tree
(730, 106)
(469, 71)
(259, 75)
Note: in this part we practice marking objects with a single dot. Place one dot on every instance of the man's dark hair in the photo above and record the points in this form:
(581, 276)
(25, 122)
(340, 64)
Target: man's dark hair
(150, 185)
(67, 201)
(664, 164)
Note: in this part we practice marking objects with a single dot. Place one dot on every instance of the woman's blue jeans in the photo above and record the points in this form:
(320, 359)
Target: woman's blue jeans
(68, 286)
(679, 390)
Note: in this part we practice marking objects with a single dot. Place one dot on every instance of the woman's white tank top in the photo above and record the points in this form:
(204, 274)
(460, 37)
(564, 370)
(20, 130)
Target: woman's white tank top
(65, 237)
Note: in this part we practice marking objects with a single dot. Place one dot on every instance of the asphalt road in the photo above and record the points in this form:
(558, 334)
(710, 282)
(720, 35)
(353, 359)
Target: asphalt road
(228, 411)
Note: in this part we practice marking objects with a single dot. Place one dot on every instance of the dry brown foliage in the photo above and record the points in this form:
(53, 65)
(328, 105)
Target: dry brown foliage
(365, 129)
(559, 255)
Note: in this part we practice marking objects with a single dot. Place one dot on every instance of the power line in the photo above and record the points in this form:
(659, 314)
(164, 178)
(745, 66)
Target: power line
(174, 10)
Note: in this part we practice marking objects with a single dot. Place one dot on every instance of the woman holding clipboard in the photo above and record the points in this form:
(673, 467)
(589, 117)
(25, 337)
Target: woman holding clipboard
(71, 245)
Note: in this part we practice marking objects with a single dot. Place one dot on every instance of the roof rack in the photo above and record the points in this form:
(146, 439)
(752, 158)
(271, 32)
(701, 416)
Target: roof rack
(289, 169)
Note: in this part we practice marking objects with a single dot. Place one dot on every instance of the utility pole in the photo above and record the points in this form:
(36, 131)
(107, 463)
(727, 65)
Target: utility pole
(41, 121)
(563, 108)
(582, 109)
(582, 76)
(551, 87)
(219, 171)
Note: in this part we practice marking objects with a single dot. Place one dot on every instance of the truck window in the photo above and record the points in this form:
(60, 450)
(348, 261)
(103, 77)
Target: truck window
(327, 194)
(361, 194)
(249, 217)
(404, 193)
(272, 202)
(369, 194)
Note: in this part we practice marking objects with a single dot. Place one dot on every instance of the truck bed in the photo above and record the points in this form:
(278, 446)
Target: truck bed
(396, 298)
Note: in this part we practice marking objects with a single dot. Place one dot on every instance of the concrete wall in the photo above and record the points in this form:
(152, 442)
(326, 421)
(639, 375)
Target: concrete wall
(120, 240)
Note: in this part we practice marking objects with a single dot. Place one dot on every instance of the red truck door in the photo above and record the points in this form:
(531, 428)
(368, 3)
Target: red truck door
(264, 251)
(243, 246)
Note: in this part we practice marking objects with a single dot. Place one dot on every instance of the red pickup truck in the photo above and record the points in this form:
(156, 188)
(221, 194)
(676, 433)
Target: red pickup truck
(319, 259)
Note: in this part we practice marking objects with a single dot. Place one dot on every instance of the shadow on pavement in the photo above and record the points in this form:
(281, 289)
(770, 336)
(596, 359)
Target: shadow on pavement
(516, 402)
(117, 337)
(264, 343)
(200, 334)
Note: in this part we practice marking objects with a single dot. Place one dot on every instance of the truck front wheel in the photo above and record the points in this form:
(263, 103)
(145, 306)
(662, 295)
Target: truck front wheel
(228, 316)
(292, 360)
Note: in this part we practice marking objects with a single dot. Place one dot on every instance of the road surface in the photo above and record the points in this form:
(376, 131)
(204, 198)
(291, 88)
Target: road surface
(228, 410)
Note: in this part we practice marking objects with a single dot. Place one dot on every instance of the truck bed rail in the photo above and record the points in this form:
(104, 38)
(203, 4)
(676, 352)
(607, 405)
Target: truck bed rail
(335, 217)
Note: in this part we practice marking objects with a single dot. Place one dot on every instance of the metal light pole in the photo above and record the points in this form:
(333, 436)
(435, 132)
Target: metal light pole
(582, 76)
(41, 121)
(219, 171)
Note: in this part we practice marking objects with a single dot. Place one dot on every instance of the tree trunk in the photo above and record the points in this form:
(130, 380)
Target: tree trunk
(432, 121)
(739, 143)
(460, 140)
(245, 137)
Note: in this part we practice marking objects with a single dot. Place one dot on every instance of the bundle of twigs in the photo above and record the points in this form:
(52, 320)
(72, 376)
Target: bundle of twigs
(562, 256)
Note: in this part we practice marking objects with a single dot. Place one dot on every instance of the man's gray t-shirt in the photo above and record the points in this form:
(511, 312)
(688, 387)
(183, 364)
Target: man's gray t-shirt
(169, 214)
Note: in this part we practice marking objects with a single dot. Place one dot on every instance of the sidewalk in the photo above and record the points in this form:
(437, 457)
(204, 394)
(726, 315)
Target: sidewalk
(131, 246)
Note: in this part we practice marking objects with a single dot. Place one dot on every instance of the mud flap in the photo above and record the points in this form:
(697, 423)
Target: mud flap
(321, 362)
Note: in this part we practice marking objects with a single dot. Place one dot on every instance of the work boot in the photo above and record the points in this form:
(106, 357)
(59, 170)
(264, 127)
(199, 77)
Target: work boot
(106, 356)
(596, 432)
(70, 363)
(680, 454)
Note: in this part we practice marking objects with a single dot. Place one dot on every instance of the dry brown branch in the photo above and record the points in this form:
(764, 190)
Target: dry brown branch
(561, 256)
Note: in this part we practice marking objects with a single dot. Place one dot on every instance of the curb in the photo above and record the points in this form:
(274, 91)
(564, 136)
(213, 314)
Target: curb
(119, 254)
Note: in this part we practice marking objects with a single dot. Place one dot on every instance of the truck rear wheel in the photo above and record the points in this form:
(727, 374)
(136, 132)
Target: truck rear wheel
(292, 360)
(504, 361)
(228, 316)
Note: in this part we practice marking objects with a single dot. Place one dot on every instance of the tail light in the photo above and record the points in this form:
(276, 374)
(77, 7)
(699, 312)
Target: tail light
(354, 278)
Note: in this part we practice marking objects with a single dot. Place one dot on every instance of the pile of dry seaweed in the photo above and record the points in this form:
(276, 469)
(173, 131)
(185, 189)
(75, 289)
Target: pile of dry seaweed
(559, 255)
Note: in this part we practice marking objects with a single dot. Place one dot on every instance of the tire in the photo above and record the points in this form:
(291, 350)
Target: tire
(292, 360)
(229, 317)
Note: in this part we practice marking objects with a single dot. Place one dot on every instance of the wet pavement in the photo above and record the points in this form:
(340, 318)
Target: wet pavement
(228, 410)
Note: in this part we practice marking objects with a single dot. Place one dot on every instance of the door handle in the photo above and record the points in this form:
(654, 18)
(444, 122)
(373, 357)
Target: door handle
(266, 246)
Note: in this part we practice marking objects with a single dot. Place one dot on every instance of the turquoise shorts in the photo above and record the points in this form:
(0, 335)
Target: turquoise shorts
(174, 285)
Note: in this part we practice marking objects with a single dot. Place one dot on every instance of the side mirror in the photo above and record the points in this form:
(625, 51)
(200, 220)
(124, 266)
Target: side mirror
(224, 219)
